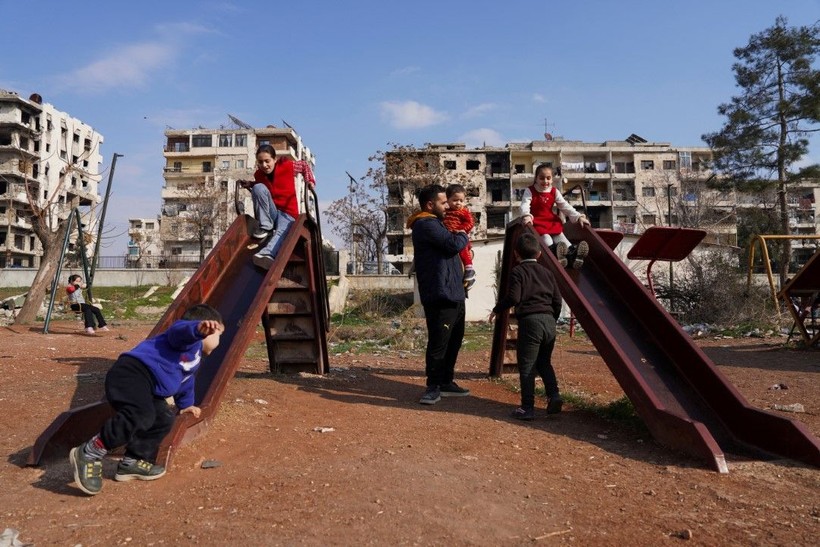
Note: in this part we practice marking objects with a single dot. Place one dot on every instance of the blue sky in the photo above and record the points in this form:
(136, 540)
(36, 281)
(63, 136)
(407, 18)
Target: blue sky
(351, 77)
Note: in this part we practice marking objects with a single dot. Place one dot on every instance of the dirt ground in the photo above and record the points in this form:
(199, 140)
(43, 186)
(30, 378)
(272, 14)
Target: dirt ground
(352, 458)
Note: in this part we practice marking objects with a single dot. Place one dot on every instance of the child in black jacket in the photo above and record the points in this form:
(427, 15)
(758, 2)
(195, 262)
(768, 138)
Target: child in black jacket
(534, 294)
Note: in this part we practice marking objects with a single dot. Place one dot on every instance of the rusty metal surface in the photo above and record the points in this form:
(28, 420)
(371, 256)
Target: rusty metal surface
(229, 282)
(666, 243)
(684, 400)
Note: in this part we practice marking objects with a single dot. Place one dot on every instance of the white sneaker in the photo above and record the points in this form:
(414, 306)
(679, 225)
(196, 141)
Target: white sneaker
(263, 261)
(105, 328)
(89, 330)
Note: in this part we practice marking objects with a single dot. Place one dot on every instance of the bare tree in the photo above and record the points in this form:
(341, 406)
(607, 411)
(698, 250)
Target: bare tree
(203, 212)
(48, 218)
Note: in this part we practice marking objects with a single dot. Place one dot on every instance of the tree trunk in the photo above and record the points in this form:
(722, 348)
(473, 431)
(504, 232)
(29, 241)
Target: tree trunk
(44, 277)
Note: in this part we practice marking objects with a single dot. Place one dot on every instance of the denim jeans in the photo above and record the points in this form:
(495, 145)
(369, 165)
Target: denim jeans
(270, 219)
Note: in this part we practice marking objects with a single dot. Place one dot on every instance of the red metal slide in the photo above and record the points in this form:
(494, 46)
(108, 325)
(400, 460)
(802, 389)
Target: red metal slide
(228, 281)
(677, 390)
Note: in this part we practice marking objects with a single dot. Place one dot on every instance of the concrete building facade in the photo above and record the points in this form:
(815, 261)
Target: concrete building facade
(200, 197)
(48, 156)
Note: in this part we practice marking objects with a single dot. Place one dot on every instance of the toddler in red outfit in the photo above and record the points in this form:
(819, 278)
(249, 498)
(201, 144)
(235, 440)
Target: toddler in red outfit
(457, 218)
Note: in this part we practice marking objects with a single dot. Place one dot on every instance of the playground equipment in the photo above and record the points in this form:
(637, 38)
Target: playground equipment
(666, 244)
(760, 240)
(290, 298)
(801, 295)
(683, 399)
(73, 217)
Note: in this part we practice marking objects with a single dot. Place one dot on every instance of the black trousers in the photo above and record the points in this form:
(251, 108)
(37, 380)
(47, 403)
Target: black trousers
(90, 313)
(536, 340)
(445, 332)
(142, 419)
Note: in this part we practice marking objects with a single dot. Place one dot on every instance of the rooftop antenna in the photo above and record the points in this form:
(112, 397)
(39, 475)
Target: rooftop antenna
(547, 134)
(239, 122)
(287, 124)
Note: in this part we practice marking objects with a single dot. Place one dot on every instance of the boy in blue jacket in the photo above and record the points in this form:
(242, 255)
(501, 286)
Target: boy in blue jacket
(137, 386)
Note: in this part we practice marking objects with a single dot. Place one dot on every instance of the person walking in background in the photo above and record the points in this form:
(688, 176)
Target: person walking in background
(534, 294)
(439, 277)
(137, 386)
(541, 206)
(90, 313)
(458, 218)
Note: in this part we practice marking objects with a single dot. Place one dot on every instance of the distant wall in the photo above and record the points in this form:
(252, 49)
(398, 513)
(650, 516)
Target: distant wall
(23, 277)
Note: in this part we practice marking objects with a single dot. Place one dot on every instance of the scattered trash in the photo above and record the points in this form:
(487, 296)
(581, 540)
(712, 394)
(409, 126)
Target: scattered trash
(260, 401)
(9, 538)
(796, 407)
(683, 534)
(779, 386)
(210, 464)
(324, 429)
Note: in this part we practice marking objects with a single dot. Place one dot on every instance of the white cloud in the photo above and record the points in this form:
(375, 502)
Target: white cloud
(481, 137)
(538, 98)
(410, 114)
(404, 71)
(128, 67)
(479, 110)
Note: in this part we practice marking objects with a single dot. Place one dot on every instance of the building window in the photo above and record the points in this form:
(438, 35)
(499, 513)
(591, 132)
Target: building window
(225, 140)
(668, 165)
(473, 165)
(207, 167)
(647, 165)
(685, 159)
(519, 168)
(176, 251)
(201, 141)
(240, 164)
(149, 225)
(648, 220)
(450, 165)
(648, 192)
(177, 167)
(240, 140)
(226, 164)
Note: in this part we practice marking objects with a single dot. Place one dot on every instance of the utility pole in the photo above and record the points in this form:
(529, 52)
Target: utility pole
(352, 190)
(96, 258)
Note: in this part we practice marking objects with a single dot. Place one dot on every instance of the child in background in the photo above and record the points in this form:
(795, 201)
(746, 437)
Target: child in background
(534, 294)
(458, 218)
(537, 209)
(90, 313)
(137, 386)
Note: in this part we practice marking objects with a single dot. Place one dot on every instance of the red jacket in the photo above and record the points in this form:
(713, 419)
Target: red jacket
(459, 220)
(544, 220)
(282, 186)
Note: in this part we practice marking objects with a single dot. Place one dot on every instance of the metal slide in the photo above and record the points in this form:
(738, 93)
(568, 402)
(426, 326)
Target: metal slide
(677, 390)
(229, 282)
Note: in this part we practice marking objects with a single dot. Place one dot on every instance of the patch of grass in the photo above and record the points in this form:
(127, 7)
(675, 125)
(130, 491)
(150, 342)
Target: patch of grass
(620, 411)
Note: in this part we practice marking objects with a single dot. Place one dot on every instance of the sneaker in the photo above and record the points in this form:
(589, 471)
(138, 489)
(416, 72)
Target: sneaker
(581, 252)
(263, 261)
(431, 396)
(469, 274)
(87, 471)
(89, 330)
(453, 390)
(140, 470)
(260, 234)
(561, 253)
(554, 405)
(525, 414)
(468, 283)
(105, 329)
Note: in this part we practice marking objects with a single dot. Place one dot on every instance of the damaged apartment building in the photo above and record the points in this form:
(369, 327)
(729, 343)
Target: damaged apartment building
(200, 198)
(623, 185)
(51, 158)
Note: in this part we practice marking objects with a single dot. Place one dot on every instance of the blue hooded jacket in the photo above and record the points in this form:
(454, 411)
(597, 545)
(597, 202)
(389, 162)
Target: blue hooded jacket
(173, 358)
(439, 272)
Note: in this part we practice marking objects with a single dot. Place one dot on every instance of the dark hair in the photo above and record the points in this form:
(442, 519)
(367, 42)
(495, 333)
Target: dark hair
(429, 193)
(266, 148)
(71, 278)
(202, 312)
(455, 189)
(540, 168)
(527, 246)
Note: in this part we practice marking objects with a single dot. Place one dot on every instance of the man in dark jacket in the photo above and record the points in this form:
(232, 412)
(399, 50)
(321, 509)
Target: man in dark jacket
(439, 275)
